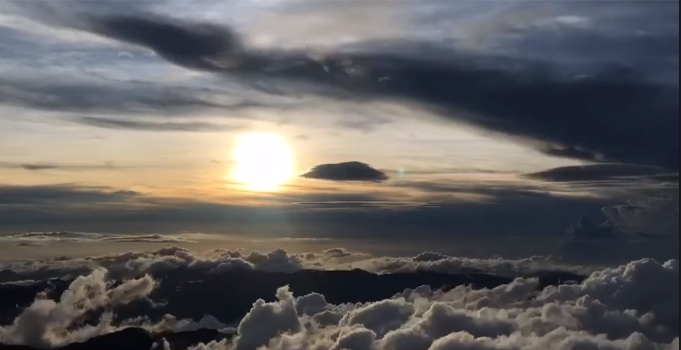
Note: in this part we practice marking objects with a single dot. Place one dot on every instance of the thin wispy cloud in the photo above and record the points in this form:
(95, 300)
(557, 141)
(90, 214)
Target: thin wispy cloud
(58, 166)
(138, 125)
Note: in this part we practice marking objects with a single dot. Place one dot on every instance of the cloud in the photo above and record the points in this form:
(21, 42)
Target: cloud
(217, 261)
(629, 307)
(447, 207)
(192, 40)
(656, 213)
(207, 322)
(48, 323)
(429, 261)
(643, 228)
(188, 276)
(365, 124)
(85, 237)
(347, 171)
(570, 152)
(653, 215)
(647, 225)
(597, 172)
(586, 228)
(512, 316)
(113, 98)
(605, 111)
(56, 166)
(63, 194)
(266, 320)
(111, 123)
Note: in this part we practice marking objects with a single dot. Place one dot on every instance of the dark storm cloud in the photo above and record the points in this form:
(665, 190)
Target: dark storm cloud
(612, 112)
(347, 171)
(196, 45)
(111, 123)
(597, 172)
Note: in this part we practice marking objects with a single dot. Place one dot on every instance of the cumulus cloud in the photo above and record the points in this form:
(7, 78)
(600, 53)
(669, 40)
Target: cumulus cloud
(587, 228)
(631, 307)
(204, 281)
(267, 320)
(656, 213)
(279, 260)
(649, 221)
(162, 261)
(646, 286)
(347, 171)
(49, 323)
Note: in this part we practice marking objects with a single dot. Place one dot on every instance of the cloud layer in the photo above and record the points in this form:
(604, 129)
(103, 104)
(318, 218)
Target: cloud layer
(629, 307)
(85, 237)
(167, 259)
(640, 315)
(603, 111)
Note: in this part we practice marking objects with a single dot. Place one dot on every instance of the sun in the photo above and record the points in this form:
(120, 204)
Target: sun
(264, 161)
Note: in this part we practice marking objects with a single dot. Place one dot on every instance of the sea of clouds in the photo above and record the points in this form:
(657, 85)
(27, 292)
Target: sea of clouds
(629, 307)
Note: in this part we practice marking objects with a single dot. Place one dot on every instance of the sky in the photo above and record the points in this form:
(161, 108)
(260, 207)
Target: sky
(339, 174)
(445, 124)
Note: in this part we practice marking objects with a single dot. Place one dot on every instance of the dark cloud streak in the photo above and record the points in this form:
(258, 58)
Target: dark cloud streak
(179, 42)
(56, 166)
(596, 172)
(111, 123)
(61, 195)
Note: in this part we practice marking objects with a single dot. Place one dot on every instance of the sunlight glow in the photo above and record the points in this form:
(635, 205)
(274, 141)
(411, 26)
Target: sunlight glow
(264, 161)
